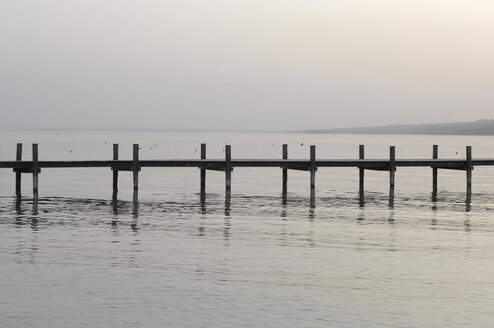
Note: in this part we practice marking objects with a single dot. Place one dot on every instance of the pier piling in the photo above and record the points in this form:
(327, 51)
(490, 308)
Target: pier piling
(435, 152)
(228, 170)
(35, 171)
(469, 168)
(203, 170)
(135, 170)
(313, 167)
(361, 155)
(392, 169)
(115, 172)
(284, 155)
(18, 173)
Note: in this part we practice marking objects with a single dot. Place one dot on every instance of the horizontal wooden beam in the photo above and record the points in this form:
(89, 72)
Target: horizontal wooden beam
(130, 168)
(25, 170)
(387, 169)
(295, 164)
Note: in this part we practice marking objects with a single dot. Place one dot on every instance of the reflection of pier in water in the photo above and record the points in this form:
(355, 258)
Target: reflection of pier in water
(228, 164)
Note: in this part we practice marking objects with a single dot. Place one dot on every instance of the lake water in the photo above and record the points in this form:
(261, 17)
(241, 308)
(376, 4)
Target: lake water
(251, 261)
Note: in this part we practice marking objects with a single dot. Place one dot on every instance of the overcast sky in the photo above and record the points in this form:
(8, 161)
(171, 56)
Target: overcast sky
(255, 64)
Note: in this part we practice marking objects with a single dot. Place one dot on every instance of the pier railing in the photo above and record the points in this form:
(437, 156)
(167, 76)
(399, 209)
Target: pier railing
(227, 165)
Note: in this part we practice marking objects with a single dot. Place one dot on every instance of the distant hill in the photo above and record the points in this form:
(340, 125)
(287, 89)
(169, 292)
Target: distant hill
(481, 128)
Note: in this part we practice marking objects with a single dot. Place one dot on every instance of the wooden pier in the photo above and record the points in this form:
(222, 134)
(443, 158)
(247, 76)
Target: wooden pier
(227, 165)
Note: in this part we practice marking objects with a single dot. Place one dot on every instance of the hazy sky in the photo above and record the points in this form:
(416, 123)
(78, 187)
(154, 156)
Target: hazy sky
(281, 64)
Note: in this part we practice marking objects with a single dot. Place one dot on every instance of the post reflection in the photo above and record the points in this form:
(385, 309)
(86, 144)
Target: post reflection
(361, 199)
(35, 206)
(312, 200)
(312, 204)
(226, 229)
(201, 229)
(434, 217)
(283, 213)
(18, 202)
(227, 204)
(361, 216)
(434, 196)
(19, 211)
(434, 207)
(284, 198)
(391, 217)
(135, 213)
(34, 217)
(114, 204)
(203, 202)
(468, 202)
(34, 224)
(391, 203)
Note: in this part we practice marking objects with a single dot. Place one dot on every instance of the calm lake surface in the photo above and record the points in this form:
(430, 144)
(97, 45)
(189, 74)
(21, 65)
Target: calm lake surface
(251, 261)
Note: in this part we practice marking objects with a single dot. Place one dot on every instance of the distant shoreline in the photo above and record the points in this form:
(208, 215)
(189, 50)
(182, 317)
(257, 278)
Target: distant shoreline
(484, 127)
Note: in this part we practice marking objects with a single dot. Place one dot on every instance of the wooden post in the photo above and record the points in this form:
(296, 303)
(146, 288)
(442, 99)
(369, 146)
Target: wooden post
(469, 168)
(361, 155)
(115, 172)
(313, 167)
(35, 172)
(392, 169)
(284, 154)
(435, 152)
(18, 174)
(228, 170)
(136, 170)
(203, 170)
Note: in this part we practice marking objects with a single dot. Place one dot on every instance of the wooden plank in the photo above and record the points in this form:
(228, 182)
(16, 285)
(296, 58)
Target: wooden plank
(299, 164)
(295, 164)
(299, 167)
(25, 170)
(219, 168)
